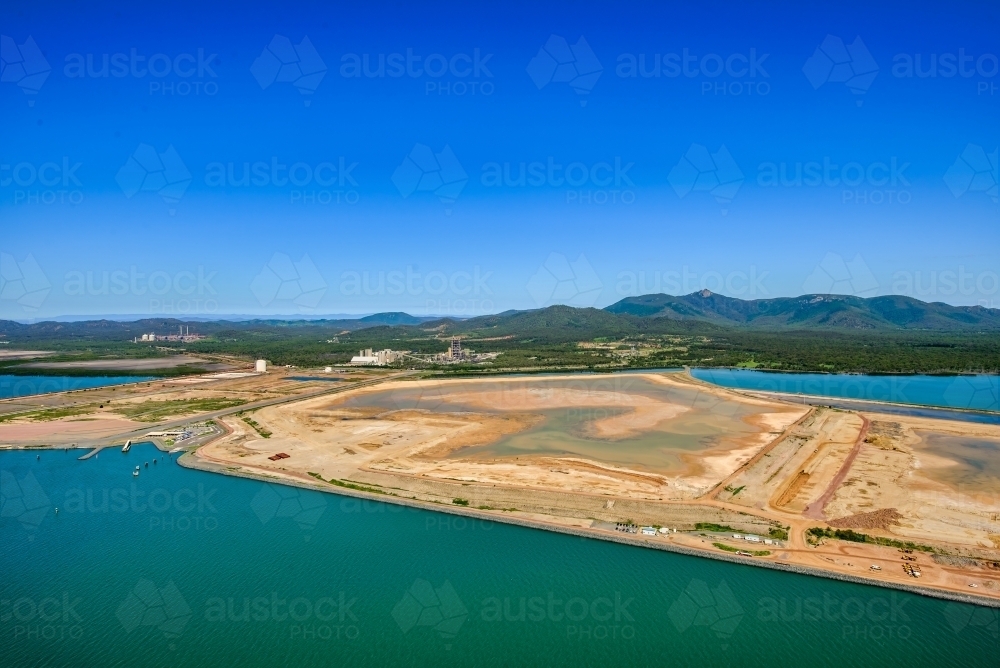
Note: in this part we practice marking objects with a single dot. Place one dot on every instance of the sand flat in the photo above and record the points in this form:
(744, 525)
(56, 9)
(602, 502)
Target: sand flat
(536, 447)
(65, 428)
(574, 433)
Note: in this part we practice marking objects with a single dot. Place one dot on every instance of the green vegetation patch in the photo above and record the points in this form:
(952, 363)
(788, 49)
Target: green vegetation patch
(460, 502)
(154, 411)
(264, 433)
(709, 526)
(855, 537)
(778, 532)
(48, 413)
(730, 548)
(350, 485)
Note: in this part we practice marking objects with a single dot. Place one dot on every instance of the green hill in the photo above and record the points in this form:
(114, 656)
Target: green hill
(812, 312)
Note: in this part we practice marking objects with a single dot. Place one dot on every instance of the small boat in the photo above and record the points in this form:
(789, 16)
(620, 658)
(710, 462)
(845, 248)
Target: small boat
(127, 446)
(135, 472)
(147, 465)
(154, 462)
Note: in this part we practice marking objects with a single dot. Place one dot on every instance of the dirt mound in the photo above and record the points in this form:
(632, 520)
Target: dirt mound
(950, 560)
(878, 519)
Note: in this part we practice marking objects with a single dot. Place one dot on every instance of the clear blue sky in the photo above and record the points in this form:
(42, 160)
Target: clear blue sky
(659, 153)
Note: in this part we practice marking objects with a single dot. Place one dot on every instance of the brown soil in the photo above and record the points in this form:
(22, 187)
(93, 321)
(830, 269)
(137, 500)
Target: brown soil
(793, 489)
(878, 519)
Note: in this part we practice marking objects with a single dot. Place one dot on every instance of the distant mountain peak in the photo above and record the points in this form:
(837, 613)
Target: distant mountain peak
(812, 311)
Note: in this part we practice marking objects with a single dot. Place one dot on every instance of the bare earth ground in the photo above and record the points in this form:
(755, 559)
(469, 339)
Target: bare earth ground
(23, 354)
(95, 418)
(140, 364)
(790, 468)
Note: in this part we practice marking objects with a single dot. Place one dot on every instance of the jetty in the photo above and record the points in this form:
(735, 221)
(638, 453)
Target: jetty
(92, 452)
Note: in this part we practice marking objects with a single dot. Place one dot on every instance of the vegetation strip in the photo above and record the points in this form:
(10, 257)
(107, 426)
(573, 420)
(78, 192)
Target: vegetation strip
(730, 548)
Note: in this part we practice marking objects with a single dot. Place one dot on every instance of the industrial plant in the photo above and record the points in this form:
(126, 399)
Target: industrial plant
(456, 354)
(369, 357)
(183, 334)
(453, 355)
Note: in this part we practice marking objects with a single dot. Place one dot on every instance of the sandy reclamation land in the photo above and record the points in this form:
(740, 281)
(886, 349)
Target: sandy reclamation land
(587, 451)
(350, 436)
(772, 465)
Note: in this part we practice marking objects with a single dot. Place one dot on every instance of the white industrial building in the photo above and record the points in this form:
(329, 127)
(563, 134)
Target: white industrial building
(369, 357)
(261, 366)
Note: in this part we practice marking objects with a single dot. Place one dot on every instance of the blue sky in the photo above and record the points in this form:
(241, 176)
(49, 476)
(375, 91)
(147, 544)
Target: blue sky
(124, 193)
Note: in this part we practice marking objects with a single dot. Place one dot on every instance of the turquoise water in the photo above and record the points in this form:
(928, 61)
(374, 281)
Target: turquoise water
(23, 386)
(980, 392)
(179, 567)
